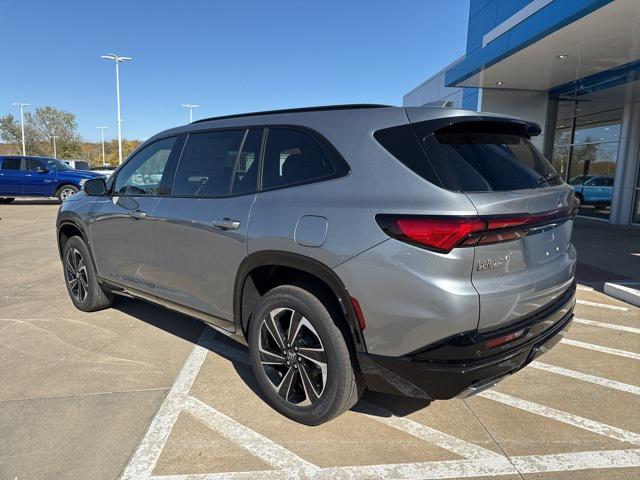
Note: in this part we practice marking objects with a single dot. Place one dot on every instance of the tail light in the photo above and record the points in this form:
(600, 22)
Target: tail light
(442, 234)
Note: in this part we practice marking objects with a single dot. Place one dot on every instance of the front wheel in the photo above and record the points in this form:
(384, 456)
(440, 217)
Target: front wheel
(66, 191)
(81, 278)
(300, 357)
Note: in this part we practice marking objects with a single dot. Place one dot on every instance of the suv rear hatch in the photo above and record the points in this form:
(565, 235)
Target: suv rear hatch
(523, 258)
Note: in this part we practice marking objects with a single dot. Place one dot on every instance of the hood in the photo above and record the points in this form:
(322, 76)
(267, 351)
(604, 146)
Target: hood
(77, 174)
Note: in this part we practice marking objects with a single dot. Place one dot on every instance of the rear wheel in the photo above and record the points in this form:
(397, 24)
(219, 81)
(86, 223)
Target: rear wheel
(5, 200)
(66, 191)
(81, 278)
(301, 358)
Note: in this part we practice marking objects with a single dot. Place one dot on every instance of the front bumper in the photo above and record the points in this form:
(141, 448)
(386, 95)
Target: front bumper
(464, 365)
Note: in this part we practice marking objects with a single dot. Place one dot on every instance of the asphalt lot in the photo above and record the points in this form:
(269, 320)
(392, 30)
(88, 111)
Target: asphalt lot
(138, 392)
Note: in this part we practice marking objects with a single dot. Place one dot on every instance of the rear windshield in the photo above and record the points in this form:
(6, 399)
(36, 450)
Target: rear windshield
(481, 156)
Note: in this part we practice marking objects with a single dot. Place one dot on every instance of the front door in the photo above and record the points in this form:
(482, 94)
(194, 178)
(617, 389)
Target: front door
(200, 232)
(121, 232)
(11, 177)
(38, 180)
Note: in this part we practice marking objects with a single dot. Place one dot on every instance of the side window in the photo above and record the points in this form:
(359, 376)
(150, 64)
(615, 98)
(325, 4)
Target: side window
(142, 174)
(245, 179)
(207, 164)
(10, 164)
(291, 157)
(33, 164)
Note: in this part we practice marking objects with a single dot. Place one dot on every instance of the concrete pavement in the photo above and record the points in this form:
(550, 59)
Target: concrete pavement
(139, 392)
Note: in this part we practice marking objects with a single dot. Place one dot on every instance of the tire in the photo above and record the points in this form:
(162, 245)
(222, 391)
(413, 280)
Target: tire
(81, 279)
(6, 200)
(65, 191)
(315, 394)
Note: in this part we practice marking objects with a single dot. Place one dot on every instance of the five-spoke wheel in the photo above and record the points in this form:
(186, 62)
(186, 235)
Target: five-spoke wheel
(301, 357)
(75, 270)
(292, 356)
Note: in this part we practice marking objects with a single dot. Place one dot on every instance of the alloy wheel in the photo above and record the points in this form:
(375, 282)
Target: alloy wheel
(66, 193)
(292, 356)
(76, 275)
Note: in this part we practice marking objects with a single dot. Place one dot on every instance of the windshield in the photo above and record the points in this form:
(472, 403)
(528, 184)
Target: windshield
(57, 165)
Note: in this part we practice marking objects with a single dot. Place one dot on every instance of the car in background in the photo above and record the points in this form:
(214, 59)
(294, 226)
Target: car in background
(77, 164)
(105, 170)
(39, 177)
(593, 189)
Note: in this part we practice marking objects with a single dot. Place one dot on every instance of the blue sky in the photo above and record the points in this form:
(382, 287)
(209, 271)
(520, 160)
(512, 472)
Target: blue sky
(228, 56)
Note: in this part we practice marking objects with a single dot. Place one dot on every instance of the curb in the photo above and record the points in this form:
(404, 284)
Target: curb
(626, 291)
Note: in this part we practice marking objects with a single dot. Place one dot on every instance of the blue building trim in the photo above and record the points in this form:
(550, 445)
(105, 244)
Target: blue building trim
(629, 72)
(542, 23)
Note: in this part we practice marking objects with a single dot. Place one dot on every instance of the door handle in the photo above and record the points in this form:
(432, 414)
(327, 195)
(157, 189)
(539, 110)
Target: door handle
(226, 224)
(138, 214)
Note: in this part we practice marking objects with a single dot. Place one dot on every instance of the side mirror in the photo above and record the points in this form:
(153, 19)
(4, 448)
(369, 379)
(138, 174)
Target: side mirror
(96, 187)
(42, 170)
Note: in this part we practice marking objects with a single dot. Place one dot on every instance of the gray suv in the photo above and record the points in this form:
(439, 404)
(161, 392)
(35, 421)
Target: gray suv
(400, 249)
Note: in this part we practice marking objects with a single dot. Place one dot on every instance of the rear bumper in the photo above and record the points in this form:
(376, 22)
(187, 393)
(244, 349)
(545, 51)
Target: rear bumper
(463, 365)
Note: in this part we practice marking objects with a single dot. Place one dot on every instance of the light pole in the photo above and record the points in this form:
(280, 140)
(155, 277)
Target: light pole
(104, 161)
(117, 59)
(190, 106)
(22, 105)
(55, 153)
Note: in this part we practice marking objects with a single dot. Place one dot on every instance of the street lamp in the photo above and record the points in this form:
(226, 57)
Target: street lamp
(55, 153)
(190, 106)
(104, 161)
(117, 59)
(22, 105)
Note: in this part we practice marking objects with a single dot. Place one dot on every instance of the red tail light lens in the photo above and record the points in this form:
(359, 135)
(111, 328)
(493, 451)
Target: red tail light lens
(442, 234)
(439, 234)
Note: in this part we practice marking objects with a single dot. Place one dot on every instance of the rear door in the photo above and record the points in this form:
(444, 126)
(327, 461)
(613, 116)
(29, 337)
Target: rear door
(531, 262)
(39, 180)
(11, 176)
(200, 230)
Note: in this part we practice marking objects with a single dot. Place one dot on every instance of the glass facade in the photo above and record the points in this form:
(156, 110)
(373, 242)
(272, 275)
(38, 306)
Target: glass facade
(585, 153)
(636, 208)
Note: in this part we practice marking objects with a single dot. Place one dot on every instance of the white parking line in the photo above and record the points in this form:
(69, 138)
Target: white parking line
(600, 348)
(564, 417)
(258, 445)
(430, 435)
(403, 386)
(612, 326)
(577, 461)
(585, 377)
(477, 461)
(601, 305)
(144, 459)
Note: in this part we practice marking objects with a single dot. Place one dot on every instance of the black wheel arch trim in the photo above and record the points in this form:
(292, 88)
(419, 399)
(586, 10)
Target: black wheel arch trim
(308, 265)
(69, 219)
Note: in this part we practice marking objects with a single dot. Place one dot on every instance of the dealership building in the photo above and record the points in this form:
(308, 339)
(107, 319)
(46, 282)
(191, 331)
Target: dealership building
(572, 66)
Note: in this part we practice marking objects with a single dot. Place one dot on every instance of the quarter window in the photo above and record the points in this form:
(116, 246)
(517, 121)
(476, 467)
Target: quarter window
(11, 164)
(33, 164)
(293, 157)
(142, 175)
(207, 164)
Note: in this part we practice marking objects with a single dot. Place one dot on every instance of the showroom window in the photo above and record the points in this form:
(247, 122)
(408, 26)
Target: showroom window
(585, 153)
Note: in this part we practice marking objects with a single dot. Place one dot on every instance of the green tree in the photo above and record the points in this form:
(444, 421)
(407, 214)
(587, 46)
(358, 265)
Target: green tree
(39, 127)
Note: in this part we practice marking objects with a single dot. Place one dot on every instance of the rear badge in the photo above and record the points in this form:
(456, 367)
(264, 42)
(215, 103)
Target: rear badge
(491, 263)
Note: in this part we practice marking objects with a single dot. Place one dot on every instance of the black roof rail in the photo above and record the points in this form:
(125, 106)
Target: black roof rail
(354, 106)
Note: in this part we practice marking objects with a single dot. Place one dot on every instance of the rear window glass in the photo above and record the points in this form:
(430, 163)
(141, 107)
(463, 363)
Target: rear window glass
(483, 156)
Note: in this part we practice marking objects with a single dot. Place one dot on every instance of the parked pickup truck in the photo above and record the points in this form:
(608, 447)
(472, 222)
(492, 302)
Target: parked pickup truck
(39, 177)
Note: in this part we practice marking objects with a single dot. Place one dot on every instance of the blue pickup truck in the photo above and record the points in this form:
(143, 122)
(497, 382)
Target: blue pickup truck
(39, 177)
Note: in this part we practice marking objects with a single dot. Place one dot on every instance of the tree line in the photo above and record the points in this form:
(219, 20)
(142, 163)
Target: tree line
(45, 122)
